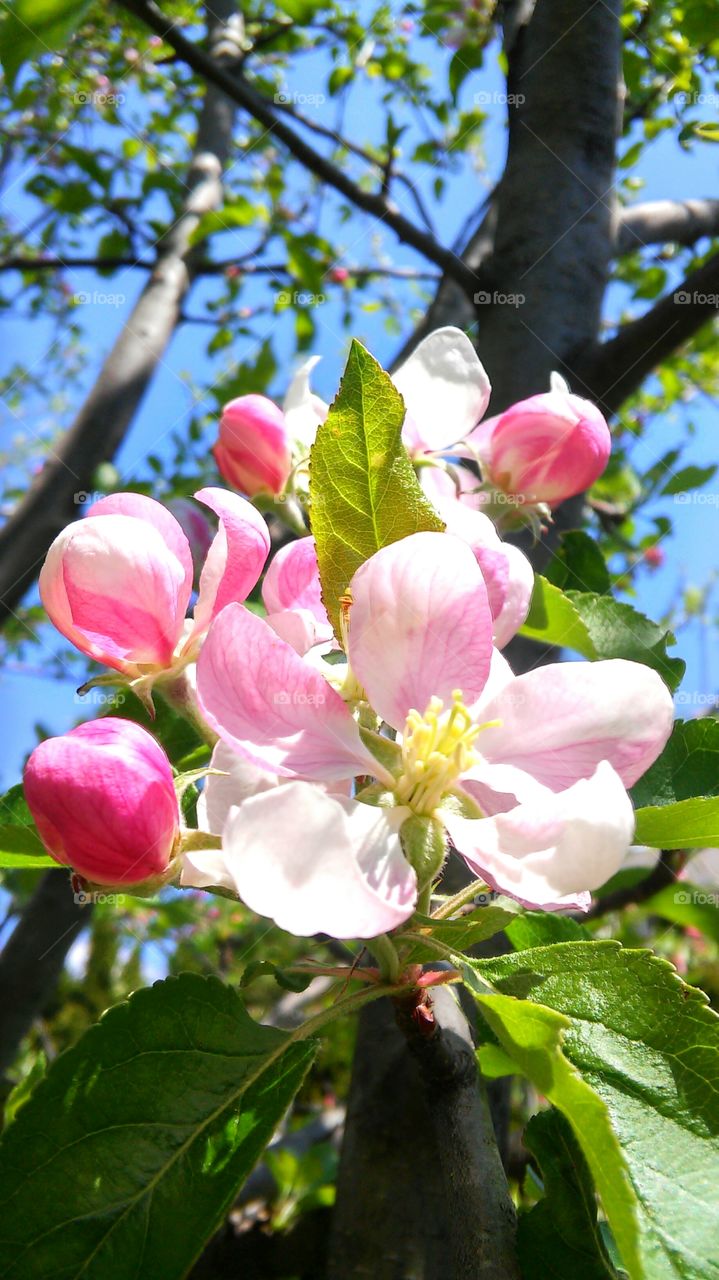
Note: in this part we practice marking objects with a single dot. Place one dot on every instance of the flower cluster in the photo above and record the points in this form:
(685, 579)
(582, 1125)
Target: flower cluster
(347, 765)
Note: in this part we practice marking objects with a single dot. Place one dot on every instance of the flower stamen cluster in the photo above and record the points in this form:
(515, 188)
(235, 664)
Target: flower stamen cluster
(437, 749)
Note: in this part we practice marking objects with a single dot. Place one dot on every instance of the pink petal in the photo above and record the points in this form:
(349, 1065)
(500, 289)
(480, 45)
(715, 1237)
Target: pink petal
(236, 557)
(235, 781)
(292, 581)
(445, 390)
(317, 864)
(420, 625)
(117, 591)
(271, 706)
(152, 512)
(555, 846)
(507, 573)
(299, 628)
(559, 721)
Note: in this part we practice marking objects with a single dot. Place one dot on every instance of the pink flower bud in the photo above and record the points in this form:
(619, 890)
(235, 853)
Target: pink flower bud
(117, 584)
(104, 802)
(653, 556)
(546, 448)
(339, 275)
(253, 451)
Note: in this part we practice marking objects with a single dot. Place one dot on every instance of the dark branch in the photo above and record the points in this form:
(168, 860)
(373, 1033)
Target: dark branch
(202, 268)
(32, 959)
(663, 221)
(663, 874)
(481, 1215)
(245, 96)
(615, 369)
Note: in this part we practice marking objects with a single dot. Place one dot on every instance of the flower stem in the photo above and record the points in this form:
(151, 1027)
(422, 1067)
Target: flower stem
(450, 905)
(386, 955)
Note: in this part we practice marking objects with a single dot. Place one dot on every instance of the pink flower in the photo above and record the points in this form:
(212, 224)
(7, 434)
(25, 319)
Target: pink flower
(292, 596)
(196, 528)
(526, 775)
(546, 448)
(445, 390)
(103, 799)
(253, 452)
(117, 584)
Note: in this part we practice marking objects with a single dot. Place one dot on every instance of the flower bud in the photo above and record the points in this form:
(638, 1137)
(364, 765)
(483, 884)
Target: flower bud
(546, 448)
(253, 452)
(103, 799)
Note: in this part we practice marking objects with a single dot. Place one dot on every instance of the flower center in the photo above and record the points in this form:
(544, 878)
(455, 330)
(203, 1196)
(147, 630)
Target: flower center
(436, 749)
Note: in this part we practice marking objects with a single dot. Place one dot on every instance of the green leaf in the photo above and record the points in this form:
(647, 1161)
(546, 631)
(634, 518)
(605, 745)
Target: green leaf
(241, 213)
(579, 564)
(690, 824)
(34, 27)
(533, 1035)
(689, 905)
(597, 626)
(538, 928)
(130, 1151)
(20, 844)
(648, 1045)
(363, 490)
(689, 478)
(560, 1237)
(687, 767)
(466, 932)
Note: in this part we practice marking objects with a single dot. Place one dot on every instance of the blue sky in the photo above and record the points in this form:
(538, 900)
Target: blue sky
(28, 696)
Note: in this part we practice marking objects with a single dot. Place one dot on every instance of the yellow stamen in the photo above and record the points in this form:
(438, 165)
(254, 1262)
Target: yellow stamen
(436, 750)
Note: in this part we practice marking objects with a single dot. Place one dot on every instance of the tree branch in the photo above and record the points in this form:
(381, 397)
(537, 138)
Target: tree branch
(480, 1211)
(202, 268)
(32, 959)
(660, 221)
(613, 370)
(245, 96)
(664, 873)
(104, 418)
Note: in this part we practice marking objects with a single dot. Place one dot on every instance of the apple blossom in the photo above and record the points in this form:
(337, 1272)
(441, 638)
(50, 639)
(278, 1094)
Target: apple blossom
(544, 449)
(103, 799)
(117, 584)
(253, 451)
(292, 596)
(525, 775)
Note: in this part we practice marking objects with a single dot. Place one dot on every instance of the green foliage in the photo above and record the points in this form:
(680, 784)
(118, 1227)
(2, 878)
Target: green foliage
(647, 1046)
(579, 565)
(689, 824)
(560, 1236)
(687, 767)
(130, 1150)
(466, 932)
(534, 1037)
(20, 844)
(363, 490)
(35, 27)
(598, 626)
